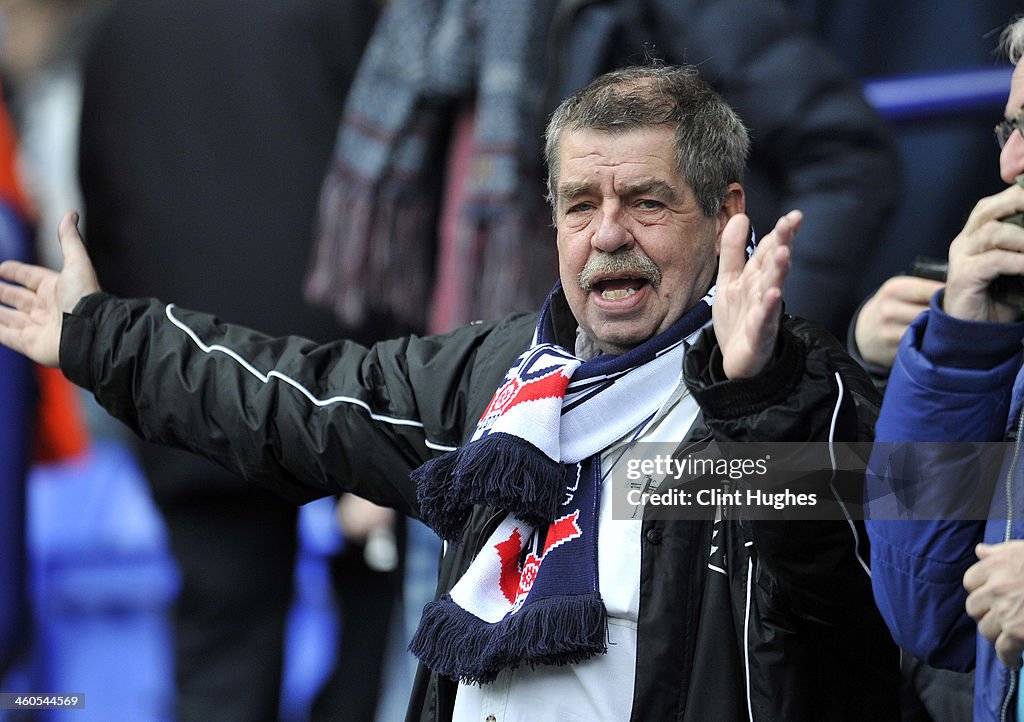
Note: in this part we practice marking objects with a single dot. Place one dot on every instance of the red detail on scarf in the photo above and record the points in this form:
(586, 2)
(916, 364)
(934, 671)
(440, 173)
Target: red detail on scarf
(514, 392)
(515, 581)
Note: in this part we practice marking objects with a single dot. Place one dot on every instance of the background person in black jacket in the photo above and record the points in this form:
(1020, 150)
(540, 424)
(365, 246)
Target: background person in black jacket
(205, 131)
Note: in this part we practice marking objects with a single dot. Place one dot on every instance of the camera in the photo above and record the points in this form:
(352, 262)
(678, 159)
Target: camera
(931, 268)
(1008, 290)
(1005, 289)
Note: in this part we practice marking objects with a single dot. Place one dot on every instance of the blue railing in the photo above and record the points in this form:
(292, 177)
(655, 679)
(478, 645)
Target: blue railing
(913, 97)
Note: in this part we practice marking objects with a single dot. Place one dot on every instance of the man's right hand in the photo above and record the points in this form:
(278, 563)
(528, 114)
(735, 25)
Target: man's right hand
(985, 249)
(35, 299)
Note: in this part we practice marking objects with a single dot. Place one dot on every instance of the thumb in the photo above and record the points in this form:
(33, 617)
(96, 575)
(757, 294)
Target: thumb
(983, 550)
(71, 243)
(732, 254)
(78, 277)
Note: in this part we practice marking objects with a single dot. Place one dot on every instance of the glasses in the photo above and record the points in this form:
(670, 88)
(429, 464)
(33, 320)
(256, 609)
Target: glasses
(1004, 128)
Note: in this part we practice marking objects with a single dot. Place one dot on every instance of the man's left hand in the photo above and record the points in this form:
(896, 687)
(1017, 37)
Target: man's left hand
(996, 598)
(748, 299)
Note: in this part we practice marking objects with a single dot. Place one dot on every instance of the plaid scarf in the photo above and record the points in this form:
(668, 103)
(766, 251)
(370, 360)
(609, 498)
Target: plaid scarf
(531, 595)
(377, 227)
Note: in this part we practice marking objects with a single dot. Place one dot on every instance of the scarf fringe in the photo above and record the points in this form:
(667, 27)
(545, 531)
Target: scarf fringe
(557, 630)
(442, 507)
(499, 470)
(370, 253)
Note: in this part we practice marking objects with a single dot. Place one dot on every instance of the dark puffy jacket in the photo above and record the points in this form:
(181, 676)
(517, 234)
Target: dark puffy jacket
(796, 604)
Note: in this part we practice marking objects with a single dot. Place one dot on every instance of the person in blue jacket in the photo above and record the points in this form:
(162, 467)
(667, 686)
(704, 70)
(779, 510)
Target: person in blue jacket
(951, 588)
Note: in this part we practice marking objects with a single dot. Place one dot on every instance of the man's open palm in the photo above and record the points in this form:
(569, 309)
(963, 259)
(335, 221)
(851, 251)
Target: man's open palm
(34, 298)
(748, 298)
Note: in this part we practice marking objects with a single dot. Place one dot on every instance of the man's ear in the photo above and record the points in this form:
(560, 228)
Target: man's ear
(735, 201)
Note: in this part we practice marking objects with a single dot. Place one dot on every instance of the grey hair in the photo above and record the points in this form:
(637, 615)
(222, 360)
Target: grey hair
(711, 142)
(1011, 40)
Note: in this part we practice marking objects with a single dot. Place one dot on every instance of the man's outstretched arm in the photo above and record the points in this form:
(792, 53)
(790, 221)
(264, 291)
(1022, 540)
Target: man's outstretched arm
(35, 299)
(303, 418)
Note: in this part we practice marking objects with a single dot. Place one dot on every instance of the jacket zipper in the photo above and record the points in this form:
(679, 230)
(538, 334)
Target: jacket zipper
(1004, 709)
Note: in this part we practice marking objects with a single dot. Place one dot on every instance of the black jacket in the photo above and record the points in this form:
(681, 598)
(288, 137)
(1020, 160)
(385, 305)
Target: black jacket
(202, 146)
(313, 419)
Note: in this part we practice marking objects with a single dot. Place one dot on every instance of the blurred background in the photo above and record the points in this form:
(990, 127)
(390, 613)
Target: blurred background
(195, 137)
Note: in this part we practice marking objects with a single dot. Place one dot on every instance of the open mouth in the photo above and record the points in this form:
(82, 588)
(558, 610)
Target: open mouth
(616, 289)
(618, 276)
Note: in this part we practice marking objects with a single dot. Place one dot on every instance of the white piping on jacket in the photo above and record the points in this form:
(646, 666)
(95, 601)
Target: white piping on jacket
(265, 378)
(746, 637)
(832, 457)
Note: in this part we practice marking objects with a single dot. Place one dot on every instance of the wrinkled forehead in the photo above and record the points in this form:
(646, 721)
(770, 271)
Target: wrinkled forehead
(648, 145)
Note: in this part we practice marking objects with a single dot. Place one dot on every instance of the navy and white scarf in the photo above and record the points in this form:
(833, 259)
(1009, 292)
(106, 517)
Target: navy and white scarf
(531, 595)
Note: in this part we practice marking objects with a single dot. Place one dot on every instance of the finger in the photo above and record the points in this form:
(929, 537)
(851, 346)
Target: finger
(975, 576)
(767, 315)
(16, 296)
(995, 234)
(987, 250)
(786, 228)
(794, 219)
(910, 289)
(977, 605)
(24, 274)
(903, 314)
(997, 262)
(12, 319)
(776, 268)
(1002, 204)
(11, 324)
(989, 626)
(762, 320)
(1008, 650)
(733, 249)
(781, 235)
(771, 274)
(71, 243)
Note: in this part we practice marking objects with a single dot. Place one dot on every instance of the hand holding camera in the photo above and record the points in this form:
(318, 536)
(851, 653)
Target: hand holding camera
(986, 261)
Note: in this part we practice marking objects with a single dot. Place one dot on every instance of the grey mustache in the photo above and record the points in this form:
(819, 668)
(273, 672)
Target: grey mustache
(628, 263)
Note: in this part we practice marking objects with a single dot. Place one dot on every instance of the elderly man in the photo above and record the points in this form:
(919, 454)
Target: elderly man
(548, 607)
